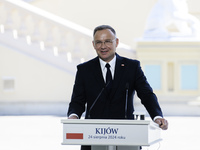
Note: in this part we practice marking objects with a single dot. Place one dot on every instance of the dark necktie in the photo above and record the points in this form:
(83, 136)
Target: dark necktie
(108, 76)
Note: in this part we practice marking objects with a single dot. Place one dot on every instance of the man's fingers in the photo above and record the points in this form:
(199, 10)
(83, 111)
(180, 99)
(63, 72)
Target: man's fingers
(73, 117)
(163, 124)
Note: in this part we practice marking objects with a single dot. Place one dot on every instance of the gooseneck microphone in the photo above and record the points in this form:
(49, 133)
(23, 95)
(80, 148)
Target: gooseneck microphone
(89, 117)
(126, 103)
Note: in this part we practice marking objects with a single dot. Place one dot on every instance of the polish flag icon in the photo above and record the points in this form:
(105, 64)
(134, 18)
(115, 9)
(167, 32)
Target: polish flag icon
(74, 133)
(74, 136)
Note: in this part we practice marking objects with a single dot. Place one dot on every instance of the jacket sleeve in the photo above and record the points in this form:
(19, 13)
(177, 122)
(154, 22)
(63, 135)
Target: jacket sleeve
(145, 93)
(77, 104)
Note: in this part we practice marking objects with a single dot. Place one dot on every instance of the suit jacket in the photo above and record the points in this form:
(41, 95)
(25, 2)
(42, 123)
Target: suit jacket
(89, 82)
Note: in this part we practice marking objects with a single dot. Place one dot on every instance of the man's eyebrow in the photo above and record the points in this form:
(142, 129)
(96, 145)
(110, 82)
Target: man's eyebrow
(104, 40)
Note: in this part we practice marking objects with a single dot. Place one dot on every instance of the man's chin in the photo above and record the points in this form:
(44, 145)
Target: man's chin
(106, 58)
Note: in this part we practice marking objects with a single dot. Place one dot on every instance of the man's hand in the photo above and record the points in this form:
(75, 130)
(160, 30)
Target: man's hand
(72, 117)
(163, 124)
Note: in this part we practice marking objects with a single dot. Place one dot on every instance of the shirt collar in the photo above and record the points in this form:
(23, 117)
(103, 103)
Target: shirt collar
(111, 63)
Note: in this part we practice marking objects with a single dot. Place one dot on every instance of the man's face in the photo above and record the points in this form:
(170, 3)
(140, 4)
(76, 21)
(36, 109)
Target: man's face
(105, 44)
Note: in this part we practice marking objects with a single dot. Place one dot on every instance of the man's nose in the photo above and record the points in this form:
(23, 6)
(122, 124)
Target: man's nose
(103, 45)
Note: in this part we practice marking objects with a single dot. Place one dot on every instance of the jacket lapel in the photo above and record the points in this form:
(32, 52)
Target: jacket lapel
(119, 70)
(98, 72)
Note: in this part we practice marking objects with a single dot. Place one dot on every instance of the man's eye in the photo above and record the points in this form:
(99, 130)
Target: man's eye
(98, 42)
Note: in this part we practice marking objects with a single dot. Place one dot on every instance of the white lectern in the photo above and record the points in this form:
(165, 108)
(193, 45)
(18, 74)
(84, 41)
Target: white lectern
(110, 134)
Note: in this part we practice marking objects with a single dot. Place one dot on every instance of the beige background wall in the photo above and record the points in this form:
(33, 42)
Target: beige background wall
(128, 17)
(37, 81)
(33, 80)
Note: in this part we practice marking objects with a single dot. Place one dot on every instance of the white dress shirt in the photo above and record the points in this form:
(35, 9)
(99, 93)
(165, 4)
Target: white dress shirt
(104, 69)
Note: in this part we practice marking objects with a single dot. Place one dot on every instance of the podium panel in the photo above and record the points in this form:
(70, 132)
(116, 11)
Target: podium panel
(110, 132)
(115, 147)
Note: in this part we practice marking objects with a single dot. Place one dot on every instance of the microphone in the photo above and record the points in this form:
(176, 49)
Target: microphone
(89, 117)
(126, 104)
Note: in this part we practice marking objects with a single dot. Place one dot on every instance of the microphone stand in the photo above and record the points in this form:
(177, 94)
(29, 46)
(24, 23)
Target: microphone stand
(126, 104)
(89, 117)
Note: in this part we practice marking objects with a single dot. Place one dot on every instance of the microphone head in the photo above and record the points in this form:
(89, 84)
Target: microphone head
(127, 85)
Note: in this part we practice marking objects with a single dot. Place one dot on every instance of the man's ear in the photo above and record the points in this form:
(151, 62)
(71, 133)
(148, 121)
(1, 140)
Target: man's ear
(117, 42)
(93, 44)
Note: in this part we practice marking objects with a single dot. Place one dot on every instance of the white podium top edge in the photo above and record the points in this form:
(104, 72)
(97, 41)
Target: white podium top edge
(106, 121)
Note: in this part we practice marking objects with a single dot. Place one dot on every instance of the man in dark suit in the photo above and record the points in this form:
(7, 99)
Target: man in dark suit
(106, 79)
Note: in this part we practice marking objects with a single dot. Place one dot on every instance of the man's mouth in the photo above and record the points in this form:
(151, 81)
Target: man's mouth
(104, 51)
